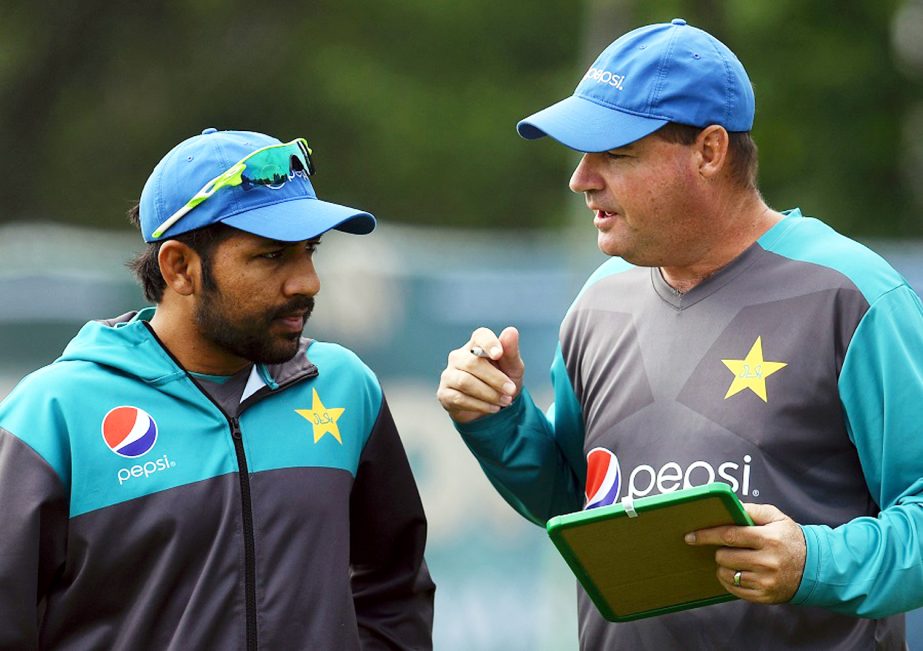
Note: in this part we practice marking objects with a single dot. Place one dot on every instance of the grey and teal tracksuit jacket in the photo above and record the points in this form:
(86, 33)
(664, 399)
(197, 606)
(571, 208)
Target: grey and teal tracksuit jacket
(795, 374)
(138, 514)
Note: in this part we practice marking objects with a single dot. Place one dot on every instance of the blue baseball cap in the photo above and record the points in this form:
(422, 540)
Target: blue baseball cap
(670, 72)
(288, 212)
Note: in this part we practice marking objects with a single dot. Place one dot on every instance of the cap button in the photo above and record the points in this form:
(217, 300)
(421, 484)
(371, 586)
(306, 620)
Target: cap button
(209, 130)
(678, 21)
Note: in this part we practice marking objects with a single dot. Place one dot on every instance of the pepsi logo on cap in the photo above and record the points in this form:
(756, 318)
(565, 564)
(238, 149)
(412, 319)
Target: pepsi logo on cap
(602, 478)
(129, 431)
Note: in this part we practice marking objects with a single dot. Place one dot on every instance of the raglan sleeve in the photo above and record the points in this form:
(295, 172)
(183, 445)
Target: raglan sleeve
(873, 566)
(534, 459)
(33, 532)
(392, 589)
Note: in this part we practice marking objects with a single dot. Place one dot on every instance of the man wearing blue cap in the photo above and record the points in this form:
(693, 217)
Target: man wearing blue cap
(198, 475)
(723, 341)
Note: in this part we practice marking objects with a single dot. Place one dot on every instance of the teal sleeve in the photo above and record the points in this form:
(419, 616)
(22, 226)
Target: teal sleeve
(873, 567)
(533, 459)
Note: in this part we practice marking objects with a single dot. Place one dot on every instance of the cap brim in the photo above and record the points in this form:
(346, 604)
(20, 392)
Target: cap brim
(302, 219)
(586, 126)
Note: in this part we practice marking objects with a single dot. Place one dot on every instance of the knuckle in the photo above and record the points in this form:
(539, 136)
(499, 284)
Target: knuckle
(462, 366)
(773, 565)
(454, 356)
(462, 361)
(447, 380)
(728, 537)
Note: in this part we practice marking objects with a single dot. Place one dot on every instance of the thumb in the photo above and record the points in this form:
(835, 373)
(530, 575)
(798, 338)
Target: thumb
(511, 361)
(763, 513)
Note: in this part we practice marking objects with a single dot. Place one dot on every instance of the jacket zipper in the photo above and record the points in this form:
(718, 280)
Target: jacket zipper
(247, 504)
(243, 474)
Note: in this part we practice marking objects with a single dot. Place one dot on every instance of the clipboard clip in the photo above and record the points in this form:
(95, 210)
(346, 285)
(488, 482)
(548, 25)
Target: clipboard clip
(629, 505)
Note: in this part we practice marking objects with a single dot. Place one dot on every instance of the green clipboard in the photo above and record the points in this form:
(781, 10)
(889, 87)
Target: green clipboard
(631, 558)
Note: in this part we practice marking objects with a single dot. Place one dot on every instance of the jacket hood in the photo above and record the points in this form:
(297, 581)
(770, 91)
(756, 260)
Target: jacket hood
(125, 344)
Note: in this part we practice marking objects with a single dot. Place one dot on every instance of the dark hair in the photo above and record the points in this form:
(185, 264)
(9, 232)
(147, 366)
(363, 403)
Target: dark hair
(146, 265)
(742, 152)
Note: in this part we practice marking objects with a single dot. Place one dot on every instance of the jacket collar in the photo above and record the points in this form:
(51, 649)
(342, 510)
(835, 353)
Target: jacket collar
(268, 376)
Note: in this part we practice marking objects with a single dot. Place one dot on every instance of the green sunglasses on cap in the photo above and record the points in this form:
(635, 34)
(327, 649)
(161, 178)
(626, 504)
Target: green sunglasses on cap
(269, 165)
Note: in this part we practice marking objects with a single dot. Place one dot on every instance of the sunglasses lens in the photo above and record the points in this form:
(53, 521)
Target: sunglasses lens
(269, 167)
(272, 166)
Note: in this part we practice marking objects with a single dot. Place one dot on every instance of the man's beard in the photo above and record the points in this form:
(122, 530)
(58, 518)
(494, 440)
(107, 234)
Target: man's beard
(249, 336)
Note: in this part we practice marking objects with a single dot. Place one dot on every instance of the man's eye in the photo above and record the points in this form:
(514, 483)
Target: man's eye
(272, 255)
(615, 156)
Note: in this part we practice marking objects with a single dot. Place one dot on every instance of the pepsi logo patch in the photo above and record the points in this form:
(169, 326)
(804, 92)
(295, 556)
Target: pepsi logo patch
(603, 478)
(129, 431)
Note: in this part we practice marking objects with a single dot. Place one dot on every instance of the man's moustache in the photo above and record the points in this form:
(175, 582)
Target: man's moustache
(305, 305)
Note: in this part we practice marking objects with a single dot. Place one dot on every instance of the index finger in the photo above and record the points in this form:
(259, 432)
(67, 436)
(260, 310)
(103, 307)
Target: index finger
(723, 536)
(480, 368)
(485, 343)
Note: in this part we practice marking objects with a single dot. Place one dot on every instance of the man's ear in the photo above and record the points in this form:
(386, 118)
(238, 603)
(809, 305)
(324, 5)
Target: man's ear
(712, 148)
(180, 266)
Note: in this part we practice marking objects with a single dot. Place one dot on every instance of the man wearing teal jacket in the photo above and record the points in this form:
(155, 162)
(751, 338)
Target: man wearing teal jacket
(723, 341)
(198, 475)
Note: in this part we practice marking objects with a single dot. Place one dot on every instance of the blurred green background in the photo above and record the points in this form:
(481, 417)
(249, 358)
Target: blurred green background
(410, 106)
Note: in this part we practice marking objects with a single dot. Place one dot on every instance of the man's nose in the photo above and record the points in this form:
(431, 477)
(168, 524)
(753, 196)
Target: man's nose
(303, 279)
(586, 176)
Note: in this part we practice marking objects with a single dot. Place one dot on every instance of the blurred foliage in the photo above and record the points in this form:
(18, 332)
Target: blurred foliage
(830, 104)
(410, 104)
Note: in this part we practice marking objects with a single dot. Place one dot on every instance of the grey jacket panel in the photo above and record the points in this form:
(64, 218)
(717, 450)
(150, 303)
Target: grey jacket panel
(391, 585)
(156, 570)
(171, 576)
(32, 540)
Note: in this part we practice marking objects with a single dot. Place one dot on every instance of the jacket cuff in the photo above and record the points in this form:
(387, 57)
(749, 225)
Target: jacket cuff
(489, 433)
(814, 554)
